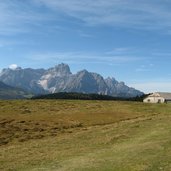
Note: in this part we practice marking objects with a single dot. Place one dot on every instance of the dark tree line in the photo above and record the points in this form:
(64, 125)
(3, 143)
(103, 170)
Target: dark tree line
(83, 96)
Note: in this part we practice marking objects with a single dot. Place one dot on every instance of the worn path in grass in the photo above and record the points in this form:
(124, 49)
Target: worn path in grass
(85, 136)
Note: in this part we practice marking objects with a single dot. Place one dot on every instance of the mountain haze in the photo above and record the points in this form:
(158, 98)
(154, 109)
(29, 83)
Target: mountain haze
(61, 79)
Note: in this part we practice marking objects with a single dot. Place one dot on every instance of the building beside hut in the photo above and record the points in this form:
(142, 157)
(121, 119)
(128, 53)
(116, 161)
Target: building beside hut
(158, 97)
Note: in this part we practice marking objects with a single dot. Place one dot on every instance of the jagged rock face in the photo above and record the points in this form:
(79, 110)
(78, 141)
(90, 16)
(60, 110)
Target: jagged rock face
(112, 85)
(61, 70)
(55, 79)
(23, 78)
(60, 79)
(85, 82)
(119, 89)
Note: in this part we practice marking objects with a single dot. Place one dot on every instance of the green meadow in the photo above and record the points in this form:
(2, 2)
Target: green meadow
(80, 135)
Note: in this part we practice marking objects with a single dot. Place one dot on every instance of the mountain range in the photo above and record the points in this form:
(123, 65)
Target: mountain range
(61, 79)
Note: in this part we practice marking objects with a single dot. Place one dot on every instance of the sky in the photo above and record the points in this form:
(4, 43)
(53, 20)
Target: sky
(129, 40)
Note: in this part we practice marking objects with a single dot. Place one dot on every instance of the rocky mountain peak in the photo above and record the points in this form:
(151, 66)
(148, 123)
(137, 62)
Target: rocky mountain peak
(83, 72)
(62, 69)
(111, 80)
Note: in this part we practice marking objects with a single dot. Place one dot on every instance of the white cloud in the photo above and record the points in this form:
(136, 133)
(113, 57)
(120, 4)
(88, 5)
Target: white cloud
(13, 66)
(83, 57)
(16, 16)
(146, 68)
(121, 51)
(125, 13)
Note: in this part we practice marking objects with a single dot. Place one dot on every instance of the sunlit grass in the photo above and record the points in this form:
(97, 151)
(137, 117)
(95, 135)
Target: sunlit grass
(85, 136)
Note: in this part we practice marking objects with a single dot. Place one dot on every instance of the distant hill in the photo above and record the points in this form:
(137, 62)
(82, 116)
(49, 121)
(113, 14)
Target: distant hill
(9, 92)
(60, 79)
(83, 96)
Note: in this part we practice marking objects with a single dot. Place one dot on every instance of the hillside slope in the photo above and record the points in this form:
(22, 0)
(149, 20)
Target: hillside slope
(9, 92)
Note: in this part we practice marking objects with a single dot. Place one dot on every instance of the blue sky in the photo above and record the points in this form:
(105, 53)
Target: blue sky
(126, 39)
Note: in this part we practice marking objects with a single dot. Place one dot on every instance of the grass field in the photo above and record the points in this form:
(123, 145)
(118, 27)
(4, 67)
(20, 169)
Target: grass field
(73, 135)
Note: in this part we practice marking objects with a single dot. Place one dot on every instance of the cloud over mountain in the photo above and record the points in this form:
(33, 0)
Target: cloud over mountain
(13, 66)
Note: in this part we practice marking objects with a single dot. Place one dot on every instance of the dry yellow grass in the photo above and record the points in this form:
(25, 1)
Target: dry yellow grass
(84, 135)
(25, 119)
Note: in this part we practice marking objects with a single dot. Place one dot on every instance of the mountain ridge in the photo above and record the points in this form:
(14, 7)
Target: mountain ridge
(60, 79)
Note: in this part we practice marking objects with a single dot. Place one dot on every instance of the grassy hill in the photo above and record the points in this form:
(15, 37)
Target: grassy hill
(84, 136)
(8, 92)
